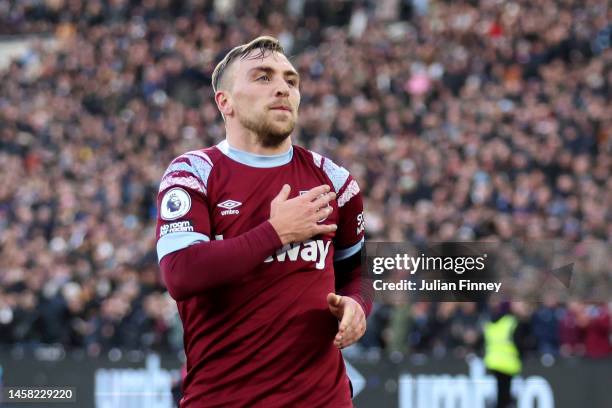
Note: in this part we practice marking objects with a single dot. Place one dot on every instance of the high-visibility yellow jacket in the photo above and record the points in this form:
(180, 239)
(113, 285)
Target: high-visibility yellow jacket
(501, 354)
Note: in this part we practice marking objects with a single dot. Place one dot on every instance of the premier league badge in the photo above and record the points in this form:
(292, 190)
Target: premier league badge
(175, 204)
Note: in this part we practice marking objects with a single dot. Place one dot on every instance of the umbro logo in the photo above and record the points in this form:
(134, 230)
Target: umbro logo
(229, 206)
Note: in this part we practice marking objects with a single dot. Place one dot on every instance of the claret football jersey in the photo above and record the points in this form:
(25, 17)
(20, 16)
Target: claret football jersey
(267, 339)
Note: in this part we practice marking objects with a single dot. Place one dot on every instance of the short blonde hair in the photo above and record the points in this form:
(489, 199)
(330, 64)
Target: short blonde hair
(264, 44)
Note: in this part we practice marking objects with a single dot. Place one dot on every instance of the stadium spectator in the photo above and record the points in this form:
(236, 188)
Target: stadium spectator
(570, 333)
(596, 324)
(460, 120)
(545, 326)
(466, 329)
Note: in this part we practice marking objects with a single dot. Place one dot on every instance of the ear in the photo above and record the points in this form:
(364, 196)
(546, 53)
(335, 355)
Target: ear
(224, 103)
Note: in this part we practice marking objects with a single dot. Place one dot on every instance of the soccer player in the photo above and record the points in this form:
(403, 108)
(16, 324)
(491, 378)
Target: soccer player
(259, 243)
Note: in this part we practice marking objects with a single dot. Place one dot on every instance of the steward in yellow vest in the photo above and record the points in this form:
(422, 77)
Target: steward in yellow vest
(501, 353)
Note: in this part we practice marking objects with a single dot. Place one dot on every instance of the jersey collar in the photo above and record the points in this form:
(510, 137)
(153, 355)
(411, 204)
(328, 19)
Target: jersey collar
(255, 160)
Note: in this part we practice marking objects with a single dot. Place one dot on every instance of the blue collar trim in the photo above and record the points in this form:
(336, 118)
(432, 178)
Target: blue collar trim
(256, 160)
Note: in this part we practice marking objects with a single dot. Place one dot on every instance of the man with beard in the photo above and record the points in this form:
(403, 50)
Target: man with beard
(262, 254)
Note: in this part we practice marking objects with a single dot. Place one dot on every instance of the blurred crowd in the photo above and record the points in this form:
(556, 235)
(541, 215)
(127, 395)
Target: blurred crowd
(461, 120)
(441, 329)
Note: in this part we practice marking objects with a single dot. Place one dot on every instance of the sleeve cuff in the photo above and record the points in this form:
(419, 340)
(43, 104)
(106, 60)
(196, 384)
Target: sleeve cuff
(267, 237)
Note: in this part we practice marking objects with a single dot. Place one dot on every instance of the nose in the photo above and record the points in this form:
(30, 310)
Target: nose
(282, 89)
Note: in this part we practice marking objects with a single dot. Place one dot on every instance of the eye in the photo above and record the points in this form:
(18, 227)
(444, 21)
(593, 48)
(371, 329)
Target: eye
(265, 78)
(292, 82)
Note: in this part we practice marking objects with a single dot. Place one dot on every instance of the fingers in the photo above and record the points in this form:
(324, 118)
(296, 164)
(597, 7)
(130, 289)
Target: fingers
(345, 333)
(283, 195)
(302, 217)
(317, 199)
(351, 334)
(347, 319)
(323, 200)
(322, 229)
(352, 325)
(322, 213)
(315, 192)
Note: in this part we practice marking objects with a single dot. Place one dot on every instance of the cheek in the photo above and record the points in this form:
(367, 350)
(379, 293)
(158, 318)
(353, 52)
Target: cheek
(244, 103)
(250, 101)
(295, 100)
(250, 108)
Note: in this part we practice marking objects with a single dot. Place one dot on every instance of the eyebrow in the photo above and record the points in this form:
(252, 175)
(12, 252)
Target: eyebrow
(269, 70)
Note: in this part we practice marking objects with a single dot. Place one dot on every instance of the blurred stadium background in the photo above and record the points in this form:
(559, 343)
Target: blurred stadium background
(460, 119)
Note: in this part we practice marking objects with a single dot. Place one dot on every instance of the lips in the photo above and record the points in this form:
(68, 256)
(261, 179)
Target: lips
(285, 108)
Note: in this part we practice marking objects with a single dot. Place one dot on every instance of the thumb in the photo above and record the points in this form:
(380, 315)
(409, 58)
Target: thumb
(283, 194)
(333, 299)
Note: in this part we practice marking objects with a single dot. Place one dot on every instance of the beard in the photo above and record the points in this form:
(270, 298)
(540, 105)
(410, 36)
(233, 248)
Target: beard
(270, 133)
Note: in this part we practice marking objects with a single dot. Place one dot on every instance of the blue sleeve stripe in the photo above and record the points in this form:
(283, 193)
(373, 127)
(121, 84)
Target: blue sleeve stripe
(180, 166)
(201, 167)
(176, 241)
(345, 253)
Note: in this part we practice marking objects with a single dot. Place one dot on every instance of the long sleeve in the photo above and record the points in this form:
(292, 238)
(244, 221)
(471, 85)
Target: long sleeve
(351, 278)
(205, 265)
(352, 282)
(190, 261)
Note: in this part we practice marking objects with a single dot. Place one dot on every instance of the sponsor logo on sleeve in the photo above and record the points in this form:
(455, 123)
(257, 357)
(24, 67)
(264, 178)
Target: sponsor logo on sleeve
(179, 226)
(360, 223)
(175, 204)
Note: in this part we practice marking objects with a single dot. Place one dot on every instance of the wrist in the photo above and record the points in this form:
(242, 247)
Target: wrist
(284, 238)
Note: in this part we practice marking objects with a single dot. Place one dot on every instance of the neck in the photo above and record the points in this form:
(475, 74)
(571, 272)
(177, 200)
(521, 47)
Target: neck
(248, 141)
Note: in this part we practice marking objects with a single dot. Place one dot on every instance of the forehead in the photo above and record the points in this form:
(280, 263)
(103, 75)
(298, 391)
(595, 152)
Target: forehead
(276, 60)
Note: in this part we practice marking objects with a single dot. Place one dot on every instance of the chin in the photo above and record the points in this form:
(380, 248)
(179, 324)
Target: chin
(274, 139)
(273, 136)
(281, 129)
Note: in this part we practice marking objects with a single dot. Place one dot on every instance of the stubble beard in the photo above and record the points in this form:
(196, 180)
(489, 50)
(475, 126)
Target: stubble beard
(269, 134)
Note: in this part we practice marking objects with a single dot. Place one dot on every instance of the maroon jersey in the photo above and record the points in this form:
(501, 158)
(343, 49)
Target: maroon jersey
(267, 339)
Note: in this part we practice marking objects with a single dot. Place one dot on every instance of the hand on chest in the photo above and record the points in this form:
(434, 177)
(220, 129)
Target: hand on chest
(236, 211)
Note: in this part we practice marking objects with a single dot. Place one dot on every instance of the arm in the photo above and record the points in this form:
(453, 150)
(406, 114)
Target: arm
(351, 278)
(352, 302)
(210, 260)
(351, 281)
(191, 263)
